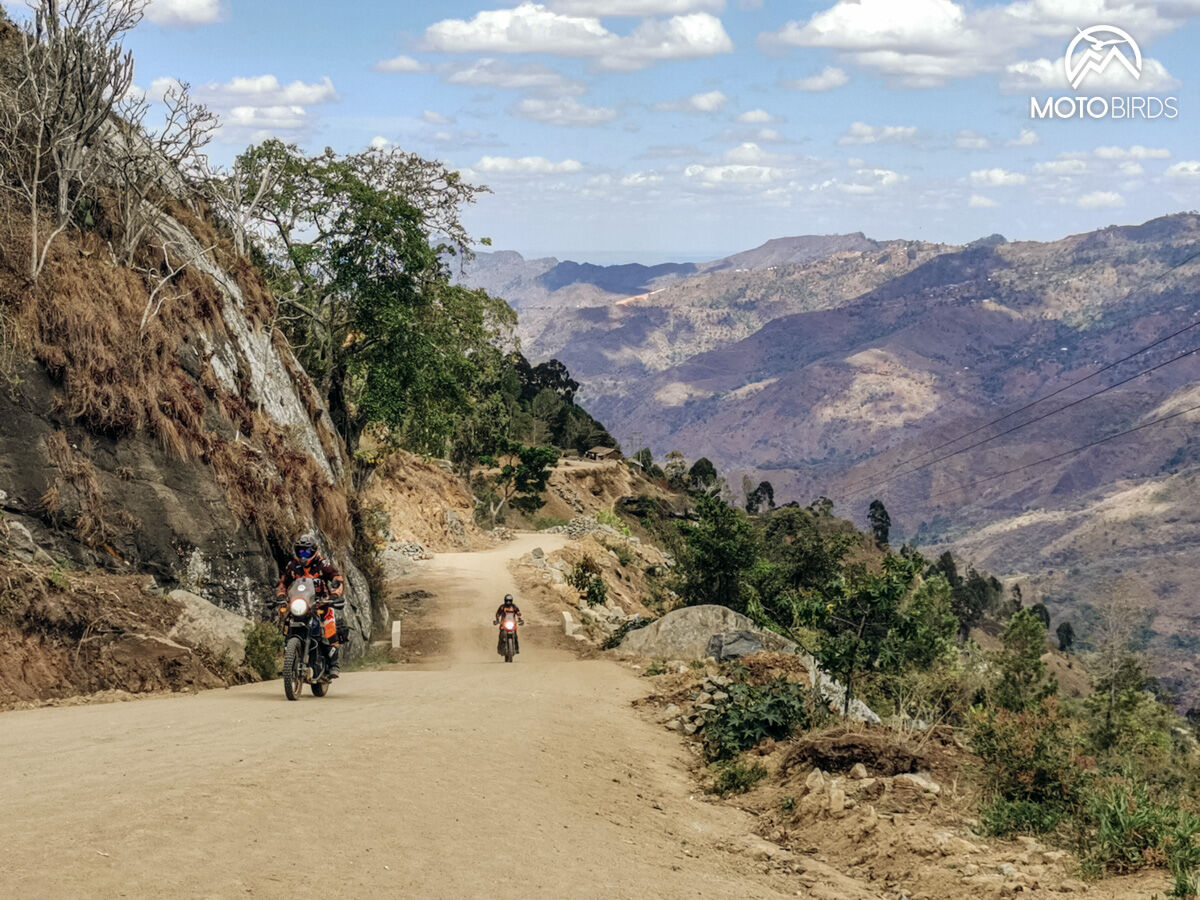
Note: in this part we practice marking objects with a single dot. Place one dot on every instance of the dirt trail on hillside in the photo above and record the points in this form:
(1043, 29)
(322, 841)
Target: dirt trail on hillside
(461, 777)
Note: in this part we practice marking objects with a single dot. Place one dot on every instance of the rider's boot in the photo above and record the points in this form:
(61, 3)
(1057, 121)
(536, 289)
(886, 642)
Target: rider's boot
(335, 668)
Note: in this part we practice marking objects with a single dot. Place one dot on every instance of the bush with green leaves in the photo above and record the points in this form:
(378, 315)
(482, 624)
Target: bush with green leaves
(752, 713)
(612, 520)
(733, 776)
(1029, 767)
(264, 648)
(585, 576)
(1126, 830)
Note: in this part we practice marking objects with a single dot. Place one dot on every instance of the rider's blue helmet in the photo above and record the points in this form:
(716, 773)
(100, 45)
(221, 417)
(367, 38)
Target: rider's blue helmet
(305, 547)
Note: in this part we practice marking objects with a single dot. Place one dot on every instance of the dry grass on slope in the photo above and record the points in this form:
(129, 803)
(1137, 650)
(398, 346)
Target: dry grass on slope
(122, 371)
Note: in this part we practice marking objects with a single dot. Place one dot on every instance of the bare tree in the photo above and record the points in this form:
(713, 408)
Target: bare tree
(147, 162)
(237, 196)
(159, 279)
(67, 77)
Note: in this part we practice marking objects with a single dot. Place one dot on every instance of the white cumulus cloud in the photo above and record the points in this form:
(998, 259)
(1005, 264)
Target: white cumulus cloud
(498, 73)
(862, 133)
(535, 28)
(526, 165)
(562, 111)
(1027, 138)
(978, 201)
(971, 140)
(1137, 151)
(996, 177)
(266, 90)
(1101, 200)
(755, 117)
(709, 102)
(1049, 74)
(826, 80)
(184, 13)
(634, 7)
(1188, 168)
(1061, 167)
(400, 64)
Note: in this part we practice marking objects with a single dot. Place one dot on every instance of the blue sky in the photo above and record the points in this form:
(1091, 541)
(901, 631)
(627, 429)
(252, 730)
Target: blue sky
(682, 129)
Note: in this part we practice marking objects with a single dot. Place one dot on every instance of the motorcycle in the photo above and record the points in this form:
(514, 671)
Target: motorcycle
(308, 635)
(508, 637)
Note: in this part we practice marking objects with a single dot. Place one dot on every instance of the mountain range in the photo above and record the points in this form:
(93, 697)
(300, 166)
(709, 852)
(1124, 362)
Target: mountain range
(838, 365)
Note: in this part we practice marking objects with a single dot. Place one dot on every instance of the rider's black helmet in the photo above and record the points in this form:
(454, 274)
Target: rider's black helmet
(305, 547)
(508, 598)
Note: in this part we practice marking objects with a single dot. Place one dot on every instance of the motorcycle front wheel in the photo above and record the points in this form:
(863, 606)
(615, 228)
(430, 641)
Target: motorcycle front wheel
(293, 669)
(508, 649)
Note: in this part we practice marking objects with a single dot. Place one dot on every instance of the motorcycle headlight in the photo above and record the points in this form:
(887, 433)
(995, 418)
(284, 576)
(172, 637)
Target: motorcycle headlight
(299, 606)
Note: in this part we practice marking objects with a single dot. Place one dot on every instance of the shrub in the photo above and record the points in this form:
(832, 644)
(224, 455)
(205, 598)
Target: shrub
(1028, 761)
(585, 577)
(1126, 830)
(612, 520)
(752, 713)
(1183, 855)
(541, 523)
(622, 552)
(264, 646)
(1003, 816)
(736, 777)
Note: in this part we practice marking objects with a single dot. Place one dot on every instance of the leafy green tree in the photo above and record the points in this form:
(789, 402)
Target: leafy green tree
(810, 558)
(702, 473)
(1021, 680)
(1066, 636)
(353, 248)
(676, 469)
(755, 498)
(721, 549)
(524, 472)
(881, 523)
(863, 622)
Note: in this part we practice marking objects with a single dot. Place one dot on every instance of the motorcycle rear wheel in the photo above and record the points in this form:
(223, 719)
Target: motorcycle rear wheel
(320, 688)
(293, 675)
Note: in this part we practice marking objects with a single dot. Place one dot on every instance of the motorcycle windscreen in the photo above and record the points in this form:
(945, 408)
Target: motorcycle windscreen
(305, 588)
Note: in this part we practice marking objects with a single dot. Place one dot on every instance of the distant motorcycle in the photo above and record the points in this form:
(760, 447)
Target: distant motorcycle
(508, 637)
(309, 633)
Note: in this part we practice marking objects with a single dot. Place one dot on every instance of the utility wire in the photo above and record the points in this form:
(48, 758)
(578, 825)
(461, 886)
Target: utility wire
(1078, 449)
(1078, 381)
(855, 491)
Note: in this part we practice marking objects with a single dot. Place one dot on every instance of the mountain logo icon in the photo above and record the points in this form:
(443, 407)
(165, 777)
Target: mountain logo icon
(1094, 49)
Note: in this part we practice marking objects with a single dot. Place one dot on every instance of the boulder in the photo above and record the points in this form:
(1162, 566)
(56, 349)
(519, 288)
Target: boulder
(686, 634)
(733, 645)
(205, 626)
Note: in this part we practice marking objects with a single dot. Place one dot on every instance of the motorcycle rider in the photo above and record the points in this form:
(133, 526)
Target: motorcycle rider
(307, 562)
(508, 605)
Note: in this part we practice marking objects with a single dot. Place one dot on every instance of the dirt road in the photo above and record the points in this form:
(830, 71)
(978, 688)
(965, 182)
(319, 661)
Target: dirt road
(464, 777)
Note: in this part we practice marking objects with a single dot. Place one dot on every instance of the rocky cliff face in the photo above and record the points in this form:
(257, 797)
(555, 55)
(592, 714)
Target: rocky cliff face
(192, 447)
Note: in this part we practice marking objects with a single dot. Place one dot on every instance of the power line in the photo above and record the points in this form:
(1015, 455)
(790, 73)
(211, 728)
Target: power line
(1078, 449)
(1078, 381)
(853, 491)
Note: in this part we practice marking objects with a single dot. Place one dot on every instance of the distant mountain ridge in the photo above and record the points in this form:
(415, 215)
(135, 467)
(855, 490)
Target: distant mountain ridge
(823, 364)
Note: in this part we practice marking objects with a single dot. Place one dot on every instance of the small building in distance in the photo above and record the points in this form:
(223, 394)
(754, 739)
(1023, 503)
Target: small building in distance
(603, 453)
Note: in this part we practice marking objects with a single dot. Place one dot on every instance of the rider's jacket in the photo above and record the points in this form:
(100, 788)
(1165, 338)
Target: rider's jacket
(326, 574)
(507, 608)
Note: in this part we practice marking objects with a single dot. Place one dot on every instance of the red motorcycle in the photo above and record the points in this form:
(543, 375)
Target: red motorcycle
(508, 647)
